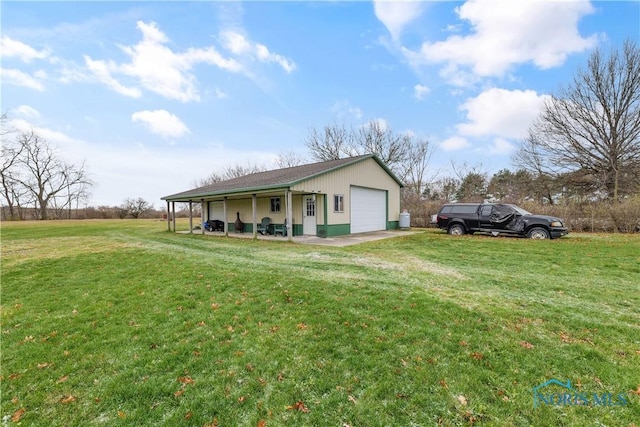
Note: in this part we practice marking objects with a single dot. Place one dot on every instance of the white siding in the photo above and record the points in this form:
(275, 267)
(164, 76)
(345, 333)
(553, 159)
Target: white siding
(366, 174)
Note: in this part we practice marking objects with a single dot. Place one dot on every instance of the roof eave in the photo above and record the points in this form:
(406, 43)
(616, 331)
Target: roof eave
(182, 197)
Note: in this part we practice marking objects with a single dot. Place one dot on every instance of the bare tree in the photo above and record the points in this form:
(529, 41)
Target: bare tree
(336, 142)
(229, 172)
(414, 168)
(135, 207)
(289, 159)
(34, 173)
(332, 143)
(404, 153)
(592, 127)
(11, 193)
(392, 148)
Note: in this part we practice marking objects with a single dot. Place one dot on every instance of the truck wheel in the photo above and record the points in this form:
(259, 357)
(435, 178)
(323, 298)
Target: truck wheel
(538, 233)
(456, 230)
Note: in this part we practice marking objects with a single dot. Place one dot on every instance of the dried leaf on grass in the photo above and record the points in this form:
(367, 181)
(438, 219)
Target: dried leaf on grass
(462, 400)
(526, 344)
(186, 380)
(298, 406)
(68, 399)
(18, 414)
(564, 337)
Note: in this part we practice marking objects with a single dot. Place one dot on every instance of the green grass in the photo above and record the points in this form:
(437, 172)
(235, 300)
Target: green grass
(122, 323)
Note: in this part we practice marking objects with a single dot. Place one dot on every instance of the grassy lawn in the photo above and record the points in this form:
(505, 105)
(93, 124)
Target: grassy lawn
(122, 323)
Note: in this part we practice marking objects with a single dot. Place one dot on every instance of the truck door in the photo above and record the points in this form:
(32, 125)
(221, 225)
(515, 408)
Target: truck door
(485, 216)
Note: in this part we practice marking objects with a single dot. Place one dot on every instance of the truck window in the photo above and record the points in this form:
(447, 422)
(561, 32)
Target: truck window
(464, 209)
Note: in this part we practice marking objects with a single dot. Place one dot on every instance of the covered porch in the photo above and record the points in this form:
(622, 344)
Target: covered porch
(294, 213)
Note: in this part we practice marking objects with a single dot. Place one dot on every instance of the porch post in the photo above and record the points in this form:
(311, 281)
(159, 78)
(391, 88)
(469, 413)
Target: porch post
(190, 217)
(168, 216)
(173, 206)
(289, 198)
(202, 205)
(224, 213)
(253, 212)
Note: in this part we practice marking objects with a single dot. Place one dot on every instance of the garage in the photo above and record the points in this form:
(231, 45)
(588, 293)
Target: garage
(368, 209)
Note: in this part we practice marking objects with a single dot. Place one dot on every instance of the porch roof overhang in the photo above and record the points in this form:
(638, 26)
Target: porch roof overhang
(192, 196)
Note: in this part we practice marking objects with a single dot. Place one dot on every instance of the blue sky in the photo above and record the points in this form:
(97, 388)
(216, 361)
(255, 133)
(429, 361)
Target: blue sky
(156, 95)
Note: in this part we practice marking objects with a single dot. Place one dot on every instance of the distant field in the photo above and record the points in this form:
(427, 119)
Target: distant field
(121, 323)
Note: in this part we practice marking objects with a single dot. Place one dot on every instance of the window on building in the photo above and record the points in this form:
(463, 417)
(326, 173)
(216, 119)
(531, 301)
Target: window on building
(275, 204)
(338, 203)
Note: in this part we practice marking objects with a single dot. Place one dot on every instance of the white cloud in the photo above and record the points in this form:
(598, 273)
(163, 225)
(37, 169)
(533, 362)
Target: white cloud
(15, 48)
(241, 46)
(395, 15)
(161, 122)
(344, 108)
(157, 68)
(501, 147)
(500, 112)
(56, 138)
(507, 33)
(455, 143)
(235, 42)
(220, 94)
(420, 91)
(264, 55)
(101, 71)
(19, 78)
(26, 111)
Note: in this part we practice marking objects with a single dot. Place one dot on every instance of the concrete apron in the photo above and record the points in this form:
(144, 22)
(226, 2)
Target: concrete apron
(337, 241)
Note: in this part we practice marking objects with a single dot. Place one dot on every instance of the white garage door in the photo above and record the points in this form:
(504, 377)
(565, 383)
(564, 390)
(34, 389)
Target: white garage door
(368, 210)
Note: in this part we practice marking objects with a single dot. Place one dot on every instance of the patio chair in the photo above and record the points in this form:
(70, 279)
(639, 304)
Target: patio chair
(280, 228)
(263, 227)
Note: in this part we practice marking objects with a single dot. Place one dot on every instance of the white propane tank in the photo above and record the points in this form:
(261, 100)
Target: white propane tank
(405, 220)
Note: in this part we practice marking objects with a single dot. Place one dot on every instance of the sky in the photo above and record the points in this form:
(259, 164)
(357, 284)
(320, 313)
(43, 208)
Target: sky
(154, 96)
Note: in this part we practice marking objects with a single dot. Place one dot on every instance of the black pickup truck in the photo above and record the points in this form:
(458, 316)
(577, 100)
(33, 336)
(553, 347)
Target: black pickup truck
(496, 219)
